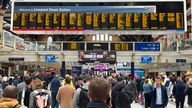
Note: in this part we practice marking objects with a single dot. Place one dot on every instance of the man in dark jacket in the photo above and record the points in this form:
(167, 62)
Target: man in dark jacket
(159, 97)
(55, 84)
(179, 92)
(189, 93)
(99, 93)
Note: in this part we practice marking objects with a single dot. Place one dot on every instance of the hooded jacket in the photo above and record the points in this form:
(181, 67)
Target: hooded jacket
(9, 103)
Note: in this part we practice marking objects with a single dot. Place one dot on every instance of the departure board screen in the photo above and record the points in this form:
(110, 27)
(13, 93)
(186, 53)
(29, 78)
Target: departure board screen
(112, 21)
(88, 21)
(171, 20)
(129, 21)
(162, 21)
(145, 21)
(122, 46)
(73, 46)
(72, 21)
(40, 20)
(80, 21)
(104, 21)
(179, 21)
(64, 20)
(17, 20)
(48, 20)
(120, 21)
(137, 21)
(32, 20)
(96, 21)
(24, 20)
(154, 21)
(56, 20)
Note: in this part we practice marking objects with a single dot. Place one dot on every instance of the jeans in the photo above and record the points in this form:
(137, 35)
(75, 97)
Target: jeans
(55, 104)
(180, 102)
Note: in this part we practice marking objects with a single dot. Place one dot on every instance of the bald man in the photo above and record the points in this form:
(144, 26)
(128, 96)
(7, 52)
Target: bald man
(9, 99)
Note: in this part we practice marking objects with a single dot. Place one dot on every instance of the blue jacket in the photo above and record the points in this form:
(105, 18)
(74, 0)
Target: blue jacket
(55, 84)
(179, 90)
(154, 96)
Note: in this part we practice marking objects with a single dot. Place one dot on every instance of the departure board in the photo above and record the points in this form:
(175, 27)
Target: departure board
(56, 20)
(104, 21)
(48, 20)
(72, 21)
(120, 21)
(154, 21)
(179, 21)
(112, 21)
(129, 21)
(73, 46)
(17, 20)
(137, 21)
(145, 21)
(96, 21)
(24, 20)
(122, 46)
(40, 20)
(32, 20)
(162, 21)
(89, 21)
(64, 20)
(171, 20)
(80, 21)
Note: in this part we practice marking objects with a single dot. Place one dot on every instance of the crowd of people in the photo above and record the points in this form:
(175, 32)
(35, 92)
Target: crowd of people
(92, 91)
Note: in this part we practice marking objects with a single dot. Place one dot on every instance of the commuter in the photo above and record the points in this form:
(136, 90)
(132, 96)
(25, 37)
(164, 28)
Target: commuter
(24, 95)
(133, 86)
(39, 98)
(111, 81)
(71, 83)
(80, 99)
(21, 86)
(55, 84)
(79, 82)
(65, 94)
(16, 80)
(147, 88)
(159, 97)
(10, 98)
(5, 82)
(99, 93)
(122, 95)
(188, 92)
(179, 92)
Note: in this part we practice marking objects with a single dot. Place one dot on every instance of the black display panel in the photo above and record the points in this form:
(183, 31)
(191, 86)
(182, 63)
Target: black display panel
(120, 21)
(96, 21)
(146, 21)
(154, 21)
(24, 20)
(162, 21)
(88, 21)
(17, 20)
(171, 20)
(72, 21)
(32, 20)
(40, 20)
(48, 20)
(80, 21)
(129, 21)
(112, 21)
(137, 21)
(104, 21)
(97, 46)
(64, 20)
(56, 20)
(73, 46)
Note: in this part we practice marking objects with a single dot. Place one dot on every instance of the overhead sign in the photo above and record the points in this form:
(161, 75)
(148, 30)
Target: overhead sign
(146, 59)
(98, 55)
(147, 46)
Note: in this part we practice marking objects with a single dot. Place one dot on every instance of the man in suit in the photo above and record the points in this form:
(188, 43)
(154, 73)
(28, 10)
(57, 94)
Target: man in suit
(159, 95)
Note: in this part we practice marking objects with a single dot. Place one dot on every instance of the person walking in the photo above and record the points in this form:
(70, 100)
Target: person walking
(159, 97)
(55, 84)
(188, 92)
(146, 93)
(179, 93)
(65, 94)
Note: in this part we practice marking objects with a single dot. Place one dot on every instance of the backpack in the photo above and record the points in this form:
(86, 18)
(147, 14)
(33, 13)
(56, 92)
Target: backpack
(124, 97)
(83, 98)
(41, 99)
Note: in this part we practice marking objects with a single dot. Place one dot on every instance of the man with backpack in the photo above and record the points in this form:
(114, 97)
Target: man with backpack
(121, 95)
(80, 99)
(39, 98)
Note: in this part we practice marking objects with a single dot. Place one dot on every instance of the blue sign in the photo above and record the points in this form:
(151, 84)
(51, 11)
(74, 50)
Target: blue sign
(107, 9)
(50, 58)
(147, 59)
(147, 46)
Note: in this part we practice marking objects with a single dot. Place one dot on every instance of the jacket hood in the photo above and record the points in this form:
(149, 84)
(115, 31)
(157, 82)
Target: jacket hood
(8, 102)
(119, 86)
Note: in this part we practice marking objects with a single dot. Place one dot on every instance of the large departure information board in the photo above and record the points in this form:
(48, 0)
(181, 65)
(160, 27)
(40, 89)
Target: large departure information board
(87, 17)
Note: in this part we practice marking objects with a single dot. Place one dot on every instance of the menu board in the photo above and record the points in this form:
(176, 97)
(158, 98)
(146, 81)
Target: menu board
(72, 21)
(40, 20)
(129, 21)
(112, 21)
(48, 20)
(96, 21)
(24, 20)
(64, 20)
(88, 21)
(171, 20)
(137, 21)
(32, 20)
(56, 20)
(145, 21)
(154, 21)
(80, 21)
(162, 21)
(179, 21)
(104, 21)
(120, 21)
(17, 20)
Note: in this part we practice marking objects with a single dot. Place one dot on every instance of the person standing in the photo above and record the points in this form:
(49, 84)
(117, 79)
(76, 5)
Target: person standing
(55, 84)
(159, 97)
(179, 92)
(65, 94)
(188, 92)
(146, 93)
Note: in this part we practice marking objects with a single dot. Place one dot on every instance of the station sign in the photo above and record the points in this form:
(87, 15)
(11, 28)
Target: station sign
(147, 46)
